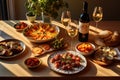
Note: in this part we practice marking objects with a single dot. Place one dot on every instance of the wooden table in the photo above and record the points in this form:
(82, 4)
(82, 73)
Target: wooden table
(16, 67)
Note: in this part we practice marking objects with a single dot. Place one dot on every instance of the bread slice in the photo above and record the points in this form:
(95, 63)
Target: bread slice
(105, 34)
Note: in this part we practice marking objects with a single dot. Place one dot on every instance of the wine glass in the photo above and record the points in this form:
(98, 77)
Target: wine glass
(97, 14)
(66, 17)
(72, 31)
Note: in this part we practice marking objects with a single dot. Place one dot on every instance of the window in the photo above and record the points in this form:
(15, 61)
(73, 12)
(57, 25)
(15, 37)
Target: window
(3, 10)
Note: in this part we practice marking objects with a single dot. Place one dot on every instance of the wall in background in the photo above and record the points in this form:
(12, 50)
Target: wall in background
(3, 10)
(110, 8)
(20, 9)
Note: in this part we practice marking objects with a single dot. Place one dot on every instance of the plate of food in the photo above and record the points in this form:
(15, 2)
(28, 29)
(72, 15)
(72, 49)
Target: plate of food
(44, 48)
(20, 26)
(41, 49)
(41, 32)
(10, 48)
(67, 62)
(105, 55)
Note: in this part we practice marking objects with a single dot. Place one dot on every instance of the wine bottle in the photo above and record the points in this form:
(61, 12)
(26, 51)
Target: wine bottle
(84, 24)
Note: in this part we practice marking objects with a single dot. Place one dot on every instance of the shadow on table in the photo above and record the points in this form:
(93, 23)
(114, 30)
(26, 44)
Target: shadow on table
(41, 68)
(4, 35)
(115, 67)
(17, 61)
(12, 23)
(5, 72)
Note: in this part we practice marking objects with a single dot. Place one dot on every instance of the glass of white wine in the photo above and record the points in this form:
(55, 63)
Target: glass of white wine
(66, 17)
(72, 31)
(97, 15)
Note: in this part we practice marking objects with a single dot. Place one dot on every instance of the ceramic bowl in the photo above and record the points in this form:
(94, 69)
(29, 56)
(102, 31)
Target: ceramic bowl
(85, 48)
(32, 62)
(20, 26)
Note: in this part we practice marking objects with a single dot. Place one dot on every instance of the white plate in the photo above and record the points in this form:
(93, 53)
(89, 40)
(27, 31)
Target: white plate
(76, 70)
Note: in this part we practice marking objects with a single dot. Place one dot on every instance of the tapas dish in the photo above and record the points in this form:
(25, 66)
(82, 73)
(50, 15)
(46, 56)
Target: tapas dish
(44, 48)
(20, 26)
(10, 48)
(85, 48)
(41, 32)
(32, 62)
(67, 62)
(105, 55)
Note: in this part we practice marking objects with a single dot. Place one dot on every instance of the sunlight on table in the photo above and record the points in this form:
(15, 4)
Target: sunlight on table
(16, 69)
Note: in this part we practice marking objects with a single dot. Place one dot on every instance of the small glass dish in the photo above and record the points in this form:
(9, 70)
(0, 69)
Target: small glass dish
(32, 62)
(85, 48)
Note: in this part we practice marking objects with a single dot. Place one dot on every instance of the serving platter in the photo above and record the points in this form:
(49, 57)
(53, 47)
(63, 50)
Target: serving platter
(55, 45)
(41, 32)
(17, 43)
(74, 70)
(42, 49)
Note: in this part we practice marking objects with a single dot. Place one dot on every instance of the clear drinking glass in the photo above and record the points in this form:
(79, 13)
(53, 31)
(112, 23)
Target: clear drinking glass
(66, 18)
(97, 14)
(72, 31)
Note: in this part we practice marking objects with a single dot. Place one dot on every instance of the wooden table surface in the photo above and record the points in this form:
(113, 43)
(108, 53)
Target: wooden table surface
(16, 67)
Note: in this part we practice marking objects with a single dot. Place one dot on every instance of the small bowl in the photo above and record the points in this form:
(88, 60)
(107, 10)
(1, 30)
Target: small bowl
(85, 48)
(32, 62)
(20, 26)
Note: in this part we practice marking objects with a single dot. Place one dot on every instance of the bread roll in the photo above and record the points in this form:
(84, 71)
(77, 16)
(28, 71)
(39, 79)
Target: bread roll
(105, 34)
(108, 38)
(115, 36)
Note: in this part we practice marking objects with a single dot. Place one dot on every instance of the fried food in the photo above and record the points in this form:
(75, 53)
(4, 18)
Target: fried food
(37, 50)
